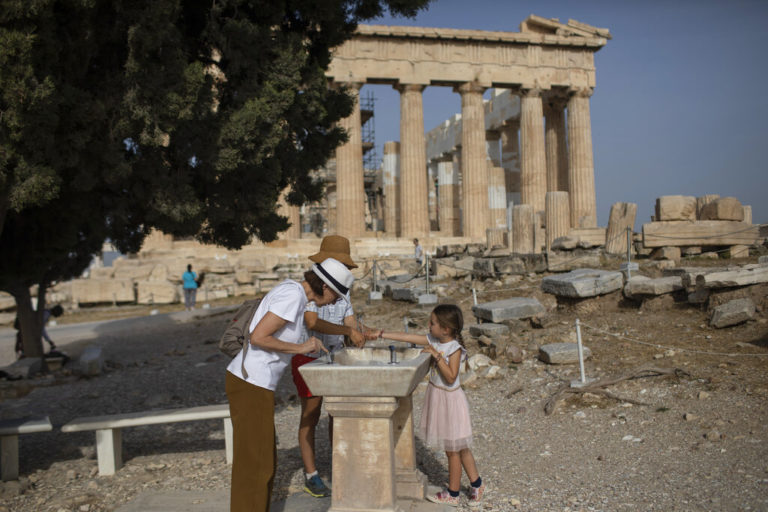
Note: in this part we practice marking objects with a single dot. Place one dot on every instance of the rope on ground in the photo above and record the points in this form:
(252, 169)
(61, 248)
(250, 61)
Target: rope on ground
(704, 352)
(598, 387)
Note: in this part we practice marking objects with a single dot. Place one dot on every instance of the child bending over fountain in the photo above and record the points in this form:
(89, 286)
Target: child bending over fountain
(445, 421)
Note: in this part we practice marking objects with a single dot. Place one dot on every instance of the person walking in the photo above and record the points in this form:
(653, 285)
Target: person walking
(189, 279)
(329, 323)
(445, 421)
(418, 251)
(252, 377)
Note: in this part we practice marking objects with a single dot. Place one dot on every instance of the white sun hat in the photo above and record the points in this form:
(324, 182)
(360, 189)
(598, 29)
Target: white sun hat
(336, 275)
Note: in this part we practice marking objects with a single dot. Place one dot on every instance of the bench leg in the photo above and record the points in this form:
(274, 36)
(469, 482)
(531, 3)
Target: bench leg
(109, 450)
(228, 439)
(9, 458)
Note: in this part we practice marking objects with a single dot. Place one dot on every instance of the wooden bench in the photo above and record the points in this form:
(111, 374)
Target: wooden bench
(109, 440)
(9, 442)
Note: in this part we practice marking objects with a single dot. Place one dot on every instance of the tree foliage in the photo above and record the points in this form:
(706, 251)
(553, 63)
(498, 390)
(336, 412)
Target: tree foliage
(119, 116)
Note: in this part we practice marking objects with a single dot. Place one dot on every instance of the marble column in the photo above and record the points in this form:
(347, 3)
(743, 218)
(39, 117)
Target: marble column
(533, 164)
(558, 216)
(414, 212)
(294, 217)
(523, 228)
(432, 195)
(492, 147)
(350, 189)
(448, 197)
(581, 170)
(556, 145)
(497, 197)
(474, 168)
(510, 159)
(390, 167)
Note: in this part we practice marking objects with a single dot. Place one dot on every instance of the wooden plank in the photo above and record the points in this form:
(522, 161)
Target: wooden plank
(703, 232)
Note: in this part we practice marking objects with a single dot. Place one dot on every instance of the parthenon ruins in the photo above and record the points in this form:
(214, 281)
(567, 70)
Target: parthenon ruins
(532, 137)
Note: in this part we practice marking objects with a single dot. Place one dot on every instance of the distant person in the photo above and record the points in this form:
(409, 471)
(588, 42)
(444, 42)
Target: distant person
(190, 288)
(418, 251)
(55, 311)
(445, 421)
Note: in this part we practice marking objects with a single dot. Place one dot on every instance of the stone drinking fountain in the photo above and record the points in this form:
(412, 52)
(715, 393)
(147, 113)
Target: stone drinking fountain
(368, 391)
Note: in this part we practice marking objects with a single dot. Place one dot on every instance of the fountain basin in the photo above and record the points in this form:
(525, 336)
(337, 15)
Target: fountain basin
(367, 372)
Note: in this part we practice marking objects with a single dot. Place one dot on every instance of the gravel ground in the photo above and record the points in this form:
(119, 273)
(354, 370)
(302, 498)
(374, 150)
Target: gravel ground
(698, 444)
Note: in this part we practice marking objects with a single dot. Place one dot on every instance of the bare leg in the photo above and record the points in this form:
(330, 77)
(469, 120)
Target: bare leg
(468, 461)
(310, 415)
(454, 470)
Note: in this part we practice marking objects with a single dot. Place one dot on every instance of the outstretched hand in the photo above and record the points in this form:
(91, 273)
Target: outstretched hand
(313, 344)
(357, 337)
(373, 334)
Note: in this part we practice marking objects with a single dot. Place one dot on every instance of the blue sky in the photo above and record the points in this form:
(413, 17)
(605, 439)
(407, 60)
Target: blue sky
(681, 103)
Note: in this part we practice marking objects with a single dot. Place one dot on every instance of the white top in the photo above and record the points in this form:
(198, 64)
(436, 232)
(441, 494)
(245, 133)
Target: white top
(418, 251)
(445, 350)
(286, 300)
(334, 313)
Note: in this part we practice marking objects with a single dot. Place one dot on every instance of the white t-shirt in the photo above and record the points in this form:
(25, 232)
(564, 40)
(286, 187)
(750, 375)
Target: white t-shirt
(334, 313)
(286, 300)
(445, 349)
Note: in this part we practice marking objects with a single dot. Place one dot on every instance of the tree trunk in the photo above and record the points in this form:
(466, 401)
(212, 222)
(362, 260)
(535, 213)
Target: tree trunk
(31, 321)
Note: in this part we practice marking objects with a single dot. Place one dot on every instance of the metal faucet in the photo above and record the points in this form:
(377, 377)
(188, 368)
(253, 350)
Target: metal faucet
(392, 355)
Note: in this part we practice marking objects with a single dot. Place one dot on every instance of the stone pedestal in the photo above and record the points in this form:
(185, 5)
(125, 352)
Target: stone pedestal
(533, 165)
(581, 169)
(414, 212)
(374, 458)
(558, 218)
(350, 190)
(474, 169)
(390, 167)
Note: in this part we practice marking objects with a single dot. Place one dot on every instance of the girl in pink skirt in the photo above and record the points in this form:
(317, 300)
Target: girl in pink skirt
(445, 421)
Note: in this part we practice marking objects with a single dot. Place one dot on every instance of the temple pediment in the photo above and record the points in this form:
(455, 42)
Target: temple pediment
(552, 26)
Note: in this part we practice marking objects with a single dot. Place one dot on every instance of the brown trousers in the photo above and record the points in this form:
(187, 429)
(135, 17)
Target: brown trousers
(255, 452)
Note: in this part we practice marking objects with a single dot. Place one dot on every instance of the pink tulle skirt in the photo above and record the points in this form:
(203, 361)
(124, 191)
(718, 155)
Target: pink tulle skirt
(445, 421)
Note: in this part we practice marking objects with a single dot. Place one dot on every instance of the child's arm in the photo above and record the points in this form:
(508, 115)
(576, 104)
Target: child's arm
(449, 370)
(417, 339)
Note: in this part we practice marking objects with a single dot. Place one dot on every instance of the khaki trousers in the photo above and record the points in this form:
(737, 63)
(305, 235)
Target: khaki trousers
(255, 453)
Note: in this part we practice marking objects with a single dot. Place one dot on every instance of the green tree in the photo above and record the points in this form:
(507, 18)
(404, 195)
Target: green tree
(119, 116)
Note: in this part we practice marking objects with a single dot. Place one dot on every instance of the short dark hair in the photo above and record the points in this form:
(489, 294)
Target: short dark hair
(189, 267)
(57, 310)
(315, 283)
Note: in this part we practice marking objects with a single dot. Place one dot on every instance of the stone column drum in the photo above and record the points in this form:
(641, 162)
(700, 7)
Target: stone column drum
(581, 169)
(523, 226)
(622, 217)
(350, 190)
(390, 176)
(497, 197)
(414, 213)
(558, 217)
(474, 169)
(294, 217)
(533, 164)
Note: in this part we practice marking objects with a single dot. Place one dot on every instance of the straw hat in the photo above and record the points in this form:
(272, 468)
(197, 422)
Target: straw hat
(336, 247)
(336, 275)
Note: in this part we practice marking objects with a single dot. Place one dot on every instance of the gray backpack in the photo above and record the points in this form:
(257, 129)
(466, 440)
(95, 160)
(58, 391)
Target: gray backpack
(235, 337)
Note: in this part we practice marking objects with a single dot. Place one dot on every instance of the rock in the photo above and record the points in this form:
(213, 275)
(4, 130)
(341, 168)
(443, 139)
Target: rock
(25, 368)
(732, 313)
(725, 208)
(642, 285)
(564, 261)
(513, 353)
(583, 283)
(562, 353)
(513, 308)
(489, 329)
(479, 361)
(565, 243)
(666, 253)
(675, 208)
(746, 275)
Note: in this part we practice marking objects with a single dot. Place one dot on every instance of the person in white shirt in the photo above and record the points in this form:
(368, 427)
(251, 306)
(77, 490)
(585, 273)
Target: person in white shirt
(418, 251)
(252, 376)
(330, 323)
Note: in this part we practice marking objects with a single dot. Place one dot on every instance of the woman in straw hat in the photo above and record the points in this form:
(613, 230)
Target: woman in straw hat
(276, 334)
(330, 324)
